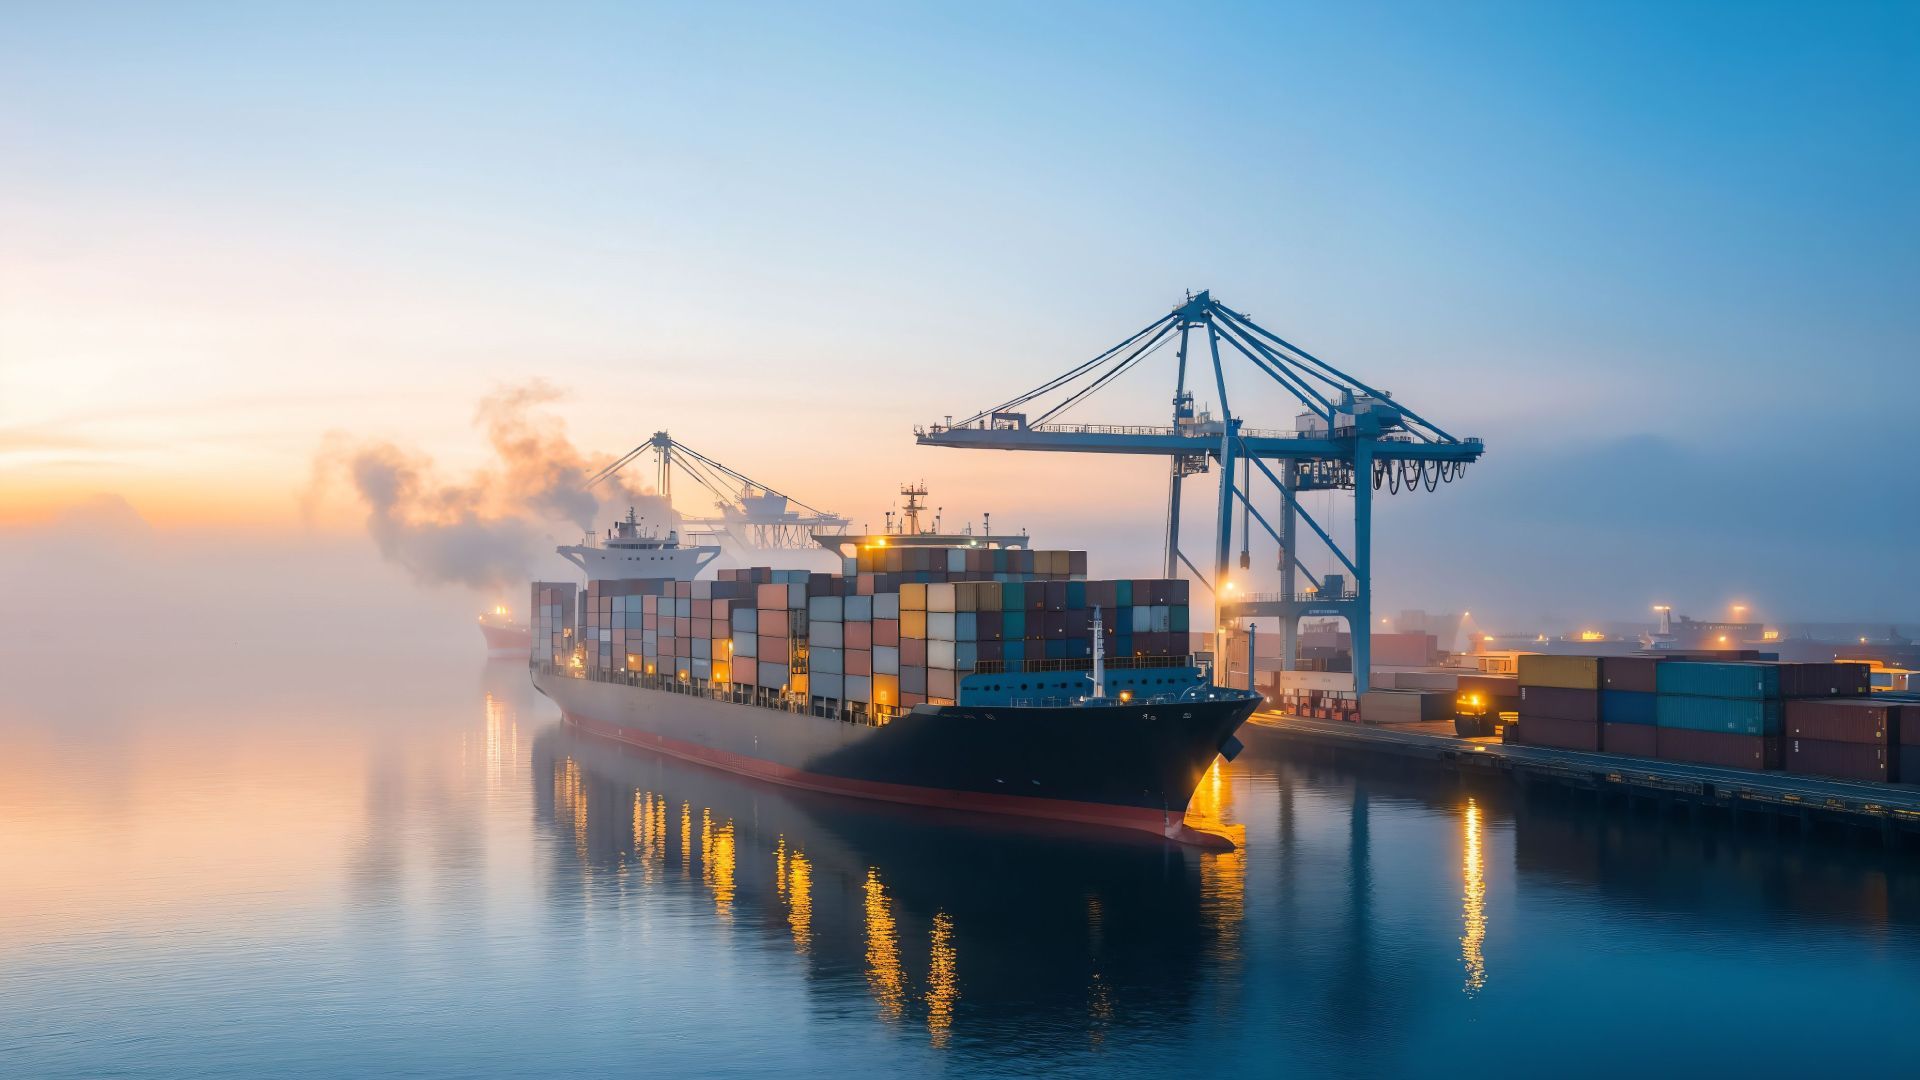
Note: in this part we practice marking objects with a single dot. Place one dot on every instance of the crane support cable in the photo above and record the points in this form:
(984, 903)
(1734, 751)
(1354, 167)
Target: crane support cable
(1147, 348)
(1304, 354)
(1306, 394)
(1070, 376)
(1331, 376)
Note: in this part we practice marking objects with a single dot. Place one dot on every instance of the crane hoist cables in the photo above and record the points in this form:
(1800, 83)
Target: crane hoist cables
(1054, 384)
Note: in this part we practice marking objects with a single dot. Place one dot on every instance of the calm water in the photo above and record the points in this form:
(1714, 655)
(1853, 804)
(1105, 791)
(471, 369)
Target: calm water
(412, 871)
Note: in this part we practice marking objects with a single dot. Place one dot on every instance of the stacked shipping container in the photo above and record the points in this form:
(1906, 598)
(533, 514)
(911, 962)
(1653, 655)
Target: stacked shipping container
(1679, 709)
(838, 645)
(1851, 738)
(551, 620)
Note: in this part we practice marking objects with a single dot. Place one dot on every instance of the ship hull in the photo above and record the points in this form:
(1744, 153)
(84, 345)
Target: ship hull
(507, 642)
(1126, 766)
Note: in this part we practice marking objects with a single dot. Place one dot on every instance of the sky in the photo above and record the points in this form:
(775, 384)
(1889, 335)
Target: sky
(1661, 257)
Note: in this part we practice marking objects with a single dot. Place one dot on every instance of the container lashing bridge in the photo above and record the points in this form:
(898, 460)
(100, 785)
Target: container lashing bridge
(1347, 436)
(749, 513)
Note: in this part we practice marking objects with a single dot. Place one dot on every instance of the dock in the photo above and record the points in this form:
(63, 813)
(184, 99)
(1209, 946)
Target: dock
(1891, 810)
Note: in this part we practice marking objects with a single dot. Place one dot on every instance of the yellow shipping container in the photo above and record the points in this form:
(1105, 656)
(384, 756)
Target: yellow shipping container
(913, 624)
(886, 689)
(913, 596)
(1567, 672)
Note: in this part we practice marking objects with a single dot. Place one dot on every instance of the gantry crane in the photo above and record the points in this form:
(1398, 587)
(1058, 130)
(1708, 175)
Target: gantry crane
(1347, 436)
(751, 514)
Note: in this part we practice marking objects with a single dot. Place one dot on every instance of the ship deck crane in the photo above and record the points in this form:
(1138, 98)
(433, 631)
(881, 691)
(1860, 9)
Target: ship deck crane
(750, 513)
(1347, 436)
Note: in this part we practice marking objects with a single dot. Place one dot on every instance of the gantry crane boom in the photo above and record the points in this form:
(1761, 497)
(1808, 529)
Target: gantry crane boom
(750, 512)
(1347, 436)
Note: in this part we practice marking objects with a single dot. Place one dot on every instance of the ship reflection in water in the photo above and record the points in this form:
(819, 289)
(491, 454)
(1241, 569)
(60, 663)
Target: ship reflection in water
(959, 927)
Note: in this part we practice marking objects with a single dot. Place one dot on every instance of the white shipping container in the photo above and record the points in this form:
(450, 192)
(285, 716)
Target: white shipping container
(940, 596)
(940, 654)
(940, 625)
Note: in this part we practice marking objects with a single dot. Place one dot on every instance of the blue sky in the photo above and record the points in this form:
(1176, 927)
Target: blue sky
(1661, 257)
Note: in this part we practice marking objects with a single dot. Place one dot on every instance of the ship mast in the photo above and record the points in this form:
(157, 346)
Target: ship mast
(913, 492)
(1099, 657)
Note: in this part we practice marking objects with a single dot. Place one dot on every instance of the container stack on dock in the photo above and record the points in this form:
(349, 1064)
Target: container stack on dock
(1851, 738)
(1560, 701)
(1629, 690)
(551, 619)
(1708, 712)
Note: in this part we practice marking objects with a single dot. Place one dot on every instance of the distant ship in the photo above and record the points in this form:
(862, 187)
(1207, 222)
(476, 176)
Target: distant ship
(506, 639)
(631, 551)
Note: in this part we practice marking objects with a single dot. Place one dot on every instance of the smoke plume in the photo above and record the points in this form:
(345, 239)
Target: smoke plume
(490, 531)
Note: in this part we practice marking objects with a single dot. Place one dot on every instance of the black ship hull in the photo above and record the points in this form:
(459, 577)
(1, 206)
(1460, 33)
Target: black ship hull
(1134, 766)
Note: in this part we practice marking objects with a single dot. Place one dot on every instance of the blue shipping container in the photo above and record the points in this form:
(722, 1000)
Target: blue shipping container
(1717, 679)
(1627, 707)
(1732, 716)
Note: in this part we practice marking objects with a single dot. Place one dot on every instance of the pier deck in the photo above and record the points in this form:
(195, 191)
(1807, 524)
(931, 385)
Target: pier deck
(1891, 808)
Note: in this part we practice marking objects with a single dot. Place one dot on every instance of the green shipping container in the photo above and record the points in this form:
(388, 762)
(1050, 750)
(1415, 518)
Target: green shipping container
(1123, 593)
(1013, 597)
(1715, 679)
(1180, 619)
(1566, 672)
(1730, 716)
(1013, 623)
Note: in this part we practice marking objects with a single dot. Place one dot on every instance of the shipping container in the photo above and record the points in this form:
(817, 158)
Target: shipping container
(1754, 681)
(1757, 752)
(1633, 740)
(1629, 673)
(1849, 720)
(1560, 703)
(1734, 716)
(1839, 679)
(1840, 760)
(1567, 672)
(1628, 707)
(1560, 734)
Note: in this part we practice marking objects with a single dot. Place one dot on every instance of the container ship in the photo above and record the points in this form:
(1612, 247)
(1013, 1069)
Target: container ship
(506, 639)
(976, 677)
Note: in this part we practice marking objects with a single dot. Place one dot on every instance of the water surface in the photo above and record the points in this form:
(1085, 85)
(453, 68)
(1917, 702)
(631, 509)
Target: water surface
(387, 869)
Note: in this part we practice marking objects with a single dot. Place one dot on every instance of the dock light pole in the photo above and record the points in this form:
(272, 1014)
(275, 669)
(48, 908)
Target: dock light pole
(1347, 436)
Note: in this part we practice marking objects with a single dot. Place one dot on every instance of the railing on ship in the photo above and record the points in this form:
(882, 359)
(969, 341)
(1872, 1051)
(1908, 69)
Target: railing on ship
(1082, 663)
(732, 693)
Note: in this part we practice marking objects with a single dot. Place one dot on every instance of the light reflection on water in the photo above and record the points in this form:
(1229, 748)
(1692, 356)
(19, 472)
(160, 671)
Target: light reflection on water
(467, 889)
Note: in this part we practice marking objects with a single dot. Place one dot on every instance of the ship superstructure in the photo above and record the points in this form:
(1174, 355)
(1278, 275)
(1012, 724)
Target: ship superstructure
(633, 550)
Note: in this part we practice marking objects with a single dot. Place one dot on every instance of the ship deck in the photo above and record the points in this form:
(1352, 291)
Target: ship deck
(1892, 809)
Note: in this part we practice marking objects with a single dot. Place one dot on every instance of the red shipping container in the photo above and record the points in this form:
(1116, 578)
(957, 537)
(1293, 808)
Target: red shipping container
(1559, 733)
(858, 635)
(913, 652)
(773, 622)
(908, 701)
(940, 682)
(886, 631)
(1634, 673)
(1558, 703)
(1633, 740)
(857, 662)
(1846, 720)
(1841, 760)
(1719, 748)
